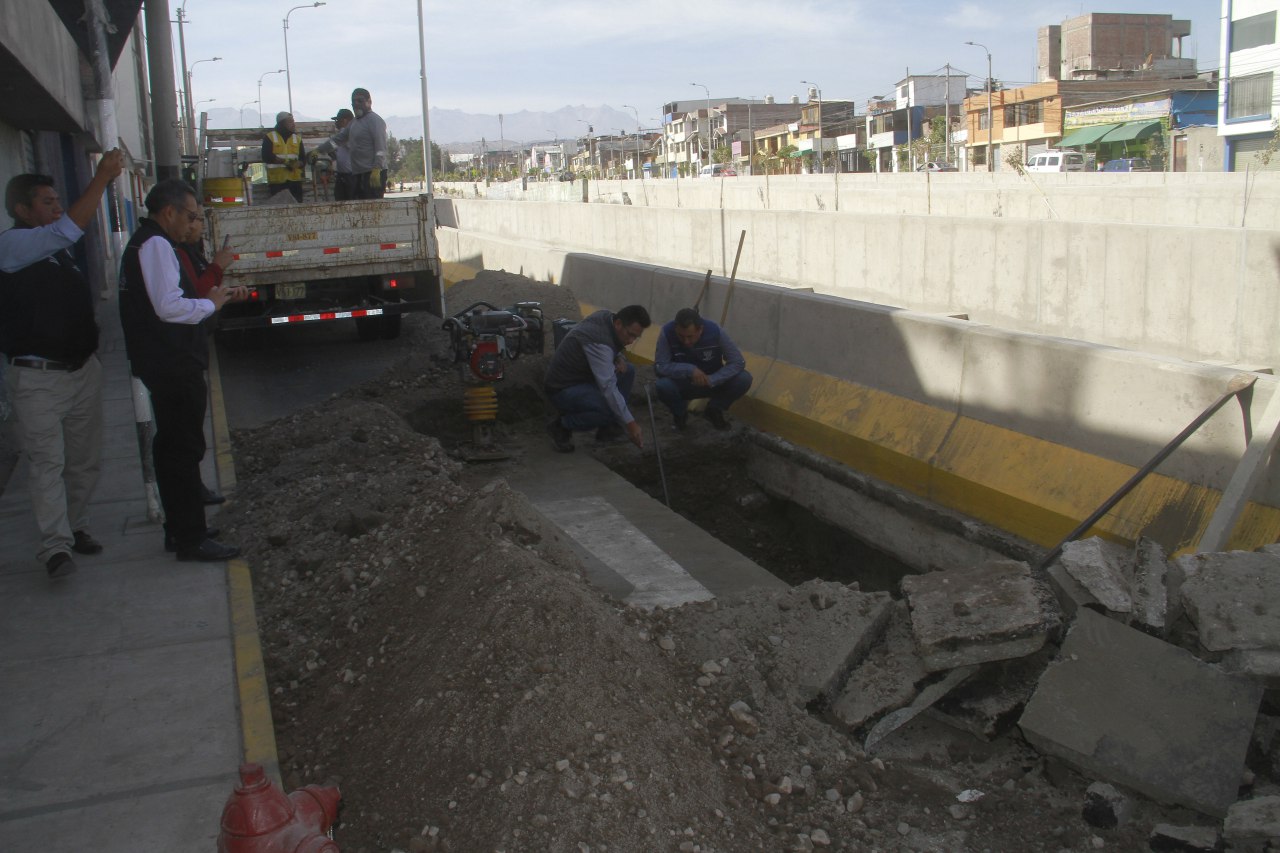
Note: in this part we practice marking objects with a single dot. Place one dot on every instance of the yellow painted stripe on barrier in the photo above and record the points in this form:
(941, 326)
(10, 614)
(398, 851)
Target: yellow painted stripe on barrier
(1032, 488)
(258, 735)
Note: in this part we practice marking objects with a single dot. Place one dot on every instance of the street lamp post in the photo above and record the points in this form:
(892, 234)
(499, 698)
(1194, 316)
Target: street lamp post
(242, 106)
(591, 156)
(637, 114)
(186, 95)
(708, 145)
(990, 126)
(191, 113)
(287, 77)
(259, 101)
(818, 137)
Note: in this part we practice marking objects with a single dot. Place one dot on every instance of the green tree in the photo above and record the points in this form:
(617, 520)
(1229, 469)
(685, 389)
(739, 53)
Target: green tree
(721, 154)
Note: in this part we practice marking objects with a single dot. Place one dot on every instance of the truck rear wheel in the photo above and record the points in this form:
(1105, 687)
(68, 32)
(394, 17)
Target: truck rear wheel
(390, 326)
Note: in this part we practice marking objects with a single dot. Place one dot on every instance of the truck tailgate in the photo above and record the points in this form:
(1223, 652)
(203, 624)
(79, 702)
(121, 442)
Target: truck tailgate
(319, 240)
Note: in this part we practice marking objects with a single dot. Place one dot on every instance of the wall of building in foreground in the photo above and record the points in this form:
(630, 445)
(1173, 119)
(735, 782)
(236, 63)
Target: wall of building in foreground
(1025, 432)
(1195, 292)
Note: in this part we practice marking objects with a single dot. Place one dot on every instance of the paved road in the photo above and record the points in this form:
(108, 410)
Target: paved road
(271, 373)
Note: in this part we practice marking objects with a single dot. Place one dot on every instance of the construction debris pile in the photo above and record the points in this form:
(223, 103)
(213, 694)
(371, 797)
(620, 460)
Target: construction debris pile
(433, 646)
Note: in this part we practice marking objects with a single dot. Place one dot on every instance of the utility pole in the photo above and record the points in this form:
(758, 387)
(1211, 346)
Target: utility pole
(990, 127)
(164, 101)
(947, 97)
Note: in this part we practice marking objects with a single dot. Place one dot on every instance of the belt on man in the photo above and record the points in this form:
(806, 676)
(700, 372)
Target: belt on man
(48, 364)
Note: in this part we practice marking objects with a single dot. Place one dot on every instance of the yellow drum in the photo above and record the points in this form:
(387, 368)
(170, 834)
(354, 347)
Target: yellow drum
(224, 192)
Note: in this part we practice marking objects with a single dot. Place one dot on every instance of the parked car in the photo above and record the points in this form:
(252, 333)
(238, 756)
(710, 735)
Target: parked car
(936, 167)
(717, 170)
(1056, 161)
(1127, 164)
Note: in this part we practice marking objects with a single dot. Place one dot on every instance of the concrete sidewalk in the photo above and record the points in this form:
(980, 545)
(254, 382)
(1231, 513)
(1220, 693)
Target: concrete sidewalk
(120, 723)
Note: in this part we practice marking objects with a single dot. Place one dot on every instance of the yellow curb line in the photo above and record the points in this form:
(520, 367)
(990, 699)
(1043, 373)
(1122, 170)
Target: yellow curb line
(257, 732)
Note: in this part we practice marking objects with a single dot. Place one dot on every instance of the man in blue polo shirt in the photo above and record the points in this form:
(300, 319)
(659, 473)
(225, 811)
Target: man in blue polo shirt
(695, 358)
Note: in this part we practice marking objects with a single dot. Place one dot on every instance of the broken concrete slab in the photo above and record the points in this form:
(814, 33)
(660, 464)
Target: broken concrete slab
(1105, 569)
(1252, 825)
(838, 629)
(930, 694)
(1129, 708)
(1150, 592)
(886, 680)
(1233, 598)
(988, 704)
(1071, 594)
(994, 611)
(1167, 838)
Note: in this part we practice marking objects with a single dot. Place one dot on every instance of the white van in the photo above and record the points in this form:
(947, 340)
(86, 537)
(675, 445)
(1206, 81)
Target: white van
(1057, 161)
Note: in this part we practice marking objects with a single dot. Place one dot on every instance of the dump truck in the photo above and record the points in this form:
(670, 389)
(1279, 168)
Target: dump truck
(318, 260)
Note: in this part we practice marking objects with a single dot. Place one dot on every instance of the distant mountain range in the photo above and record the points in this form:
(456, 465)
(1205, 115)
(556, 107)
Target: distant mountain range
(463, 131)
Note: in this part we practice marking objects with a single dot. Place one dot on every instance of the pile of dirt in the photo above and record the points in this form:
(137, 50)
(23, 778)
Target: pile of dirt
(433, 646)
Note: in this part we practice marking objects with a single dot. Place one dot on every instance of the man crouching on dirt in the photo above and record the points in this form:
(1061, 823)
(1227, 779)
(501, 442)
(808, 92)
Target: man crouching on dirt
(695, 358)
(589, 378)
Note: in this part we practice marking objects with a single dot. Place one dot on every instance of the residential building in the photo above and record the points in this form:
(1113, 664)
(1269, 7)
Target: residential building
(891, 123)
(1110, 46)
(1030, 119)
(1151, 125)
(692, 130)
(1247, 117)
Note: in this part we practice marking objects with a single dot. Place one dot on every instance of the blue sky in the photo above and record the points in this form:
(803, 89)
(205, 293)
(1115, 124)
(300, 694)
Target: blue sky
(501, 56)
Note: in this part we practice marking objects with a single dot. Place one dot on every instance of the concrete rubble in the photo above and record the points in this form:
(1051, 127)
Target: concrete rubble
(886, 680)
(1123, 706)
(1167, 838)
(1135, 586)
(1233, 599)
(994, 611)
(1253, 826)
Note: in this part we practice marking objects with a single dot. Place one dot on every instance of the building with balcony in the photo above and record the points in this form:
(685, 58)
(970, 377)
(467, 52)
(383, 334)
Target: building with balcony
(891, 123)
(1247, 110)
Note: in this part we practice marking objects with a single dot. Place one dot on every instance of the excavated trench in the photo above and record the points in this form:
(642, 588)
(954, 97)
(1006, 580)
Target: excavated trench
(710, 485)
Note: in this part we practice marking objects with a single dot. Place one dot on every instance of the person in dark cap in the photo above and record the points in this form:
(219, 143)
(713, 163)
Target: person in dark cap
(344, 187)
(366, 140)
(283, 154)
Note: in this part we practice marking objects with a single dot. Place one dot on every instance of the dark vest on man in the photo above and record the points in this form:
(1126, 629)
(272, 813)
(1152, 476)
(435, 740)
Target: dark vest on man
(155, 347)
(569, 365)
(46, 309)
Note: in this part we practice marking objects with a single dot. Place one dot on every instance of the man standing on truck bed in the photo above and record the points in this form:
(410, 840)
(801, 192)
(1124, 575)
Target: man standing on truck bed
(283, 155)
(344, 186)
(366, 141)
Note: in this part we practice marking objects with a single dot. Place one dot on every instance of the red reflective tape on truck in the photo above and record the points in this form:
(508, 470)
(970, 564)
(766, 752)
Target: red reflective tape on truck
(326, 315)
(385, 246)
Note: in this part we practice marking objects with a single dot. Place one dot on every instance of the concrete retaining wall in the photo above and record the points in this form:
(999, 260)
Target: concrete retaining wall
(1199, 293)
(1214, 199)
(1025, 432)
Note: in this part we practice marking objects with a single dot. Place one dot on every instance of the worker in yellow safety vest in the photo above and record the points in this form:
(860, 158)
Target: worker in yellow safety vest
(283, 154)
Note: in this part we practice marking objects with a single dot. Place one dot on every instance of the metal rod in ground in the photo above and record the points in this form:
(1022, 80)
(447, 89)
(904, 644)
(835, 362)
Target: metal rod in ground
(657, 446)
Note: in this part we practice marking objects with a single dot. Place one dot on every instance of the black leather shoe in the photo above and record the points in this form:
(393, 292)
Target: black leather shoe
(60, 565)
(717, 419)
(85, 544)
(211, 498)
(171, 544)
(208, 551)
(561, 438)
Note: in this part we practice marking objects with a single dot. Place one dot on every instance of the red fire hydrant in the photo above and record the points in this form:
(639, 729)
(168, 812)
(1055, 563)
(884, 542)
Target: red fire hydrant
(259, 818)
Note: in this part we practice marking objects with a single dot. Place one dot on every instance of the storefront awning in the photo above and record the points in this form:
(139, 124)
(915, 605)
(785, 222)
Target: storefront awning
(1086, 135)
(1132, 130)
